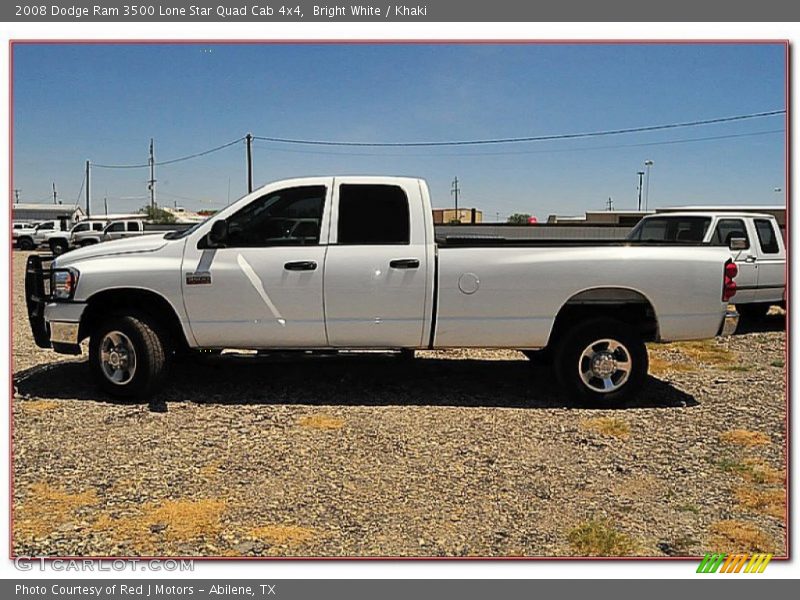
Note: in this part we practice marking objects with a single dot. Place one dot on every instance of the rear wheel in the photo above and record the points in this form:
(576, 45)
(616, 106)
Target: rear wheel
(601, 362)
(127, 357)
(59, 246)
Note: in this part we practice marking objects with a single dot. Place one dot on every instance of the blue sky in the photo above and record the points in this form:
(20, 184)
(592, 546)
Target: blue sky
(104, 102)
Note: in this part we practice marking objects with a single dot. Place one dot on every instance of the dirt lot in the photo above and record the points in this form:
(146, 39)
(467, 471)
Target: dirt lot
(469, 453)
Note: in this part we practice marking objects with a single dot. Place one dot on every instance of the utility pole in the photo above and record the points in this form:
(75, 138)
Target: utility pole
(249, 142)
(640, 174)
(455, 190)
(648, 164)
(55, 195)
(151, 184)
(16, 195)
(610, 204)
(88, 185)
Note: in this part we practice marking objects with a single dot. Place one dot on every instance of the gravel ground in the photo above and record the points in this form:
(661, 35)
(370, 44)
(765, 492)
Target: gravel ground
(459, 453)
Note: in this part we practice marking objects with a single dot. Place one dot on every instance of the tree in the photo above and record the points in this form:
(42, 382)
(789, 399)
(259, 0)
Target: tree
(519, 218)
(158, 215)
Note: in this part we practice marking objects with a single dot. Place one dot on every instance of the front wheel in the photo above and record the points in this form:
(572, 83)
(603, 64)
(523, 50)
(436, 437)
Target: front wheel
(601, 362)
(127, 357)
(25, 244)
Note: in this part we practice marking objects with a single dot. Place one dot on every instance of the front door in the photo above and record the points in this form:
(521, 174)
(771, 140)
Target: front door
(376, 271)
(263, 289)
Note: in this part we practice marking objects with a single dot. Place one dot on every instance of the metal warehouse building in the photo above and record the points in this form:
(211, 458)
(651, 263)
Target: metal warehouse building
(46, 212)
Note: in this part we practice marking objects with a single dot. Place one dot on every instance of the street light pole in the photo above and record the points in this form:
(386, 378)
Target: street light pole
(640, 174)
(647, 164)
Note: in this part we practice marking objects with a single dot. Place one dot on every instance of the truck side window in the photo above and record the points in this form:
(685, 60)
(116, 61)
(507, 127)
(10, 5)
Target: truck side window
(116, 227)
(133, 226)
(671, 229)
(288, 217)
(373, 215)
(766, 237)
(728, 229)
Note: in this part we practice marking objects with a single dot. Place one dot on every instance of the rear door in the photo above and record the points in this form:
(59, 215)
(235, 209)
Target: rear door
(747, 279)
(133, 228)
(771, 263)
(376, 271)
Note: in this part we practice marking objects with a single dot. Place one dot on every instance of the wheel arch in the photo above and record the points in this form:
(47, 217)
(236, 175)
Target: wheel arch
(135, 301)
(622, 303)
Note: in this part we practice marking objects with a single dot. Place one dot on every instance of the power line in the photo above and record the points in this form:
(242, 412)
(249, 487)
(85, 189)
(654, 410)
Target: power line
(172, 160)
(540, 151)
(540, 138)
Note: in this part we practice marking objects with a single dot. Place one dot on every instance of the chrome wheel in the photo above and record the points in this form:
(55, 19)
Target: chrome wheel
(117, 358)
(604, 366)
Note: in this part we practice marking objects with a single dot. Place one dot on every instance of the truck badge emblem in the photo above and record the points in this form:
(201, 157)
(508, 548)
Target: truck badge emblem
(198, 278)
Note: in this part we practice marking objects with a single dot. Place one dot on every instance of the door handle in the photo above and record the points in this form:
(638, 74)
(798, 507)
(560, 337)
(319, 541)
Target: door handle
(750, 259)
(404, 263)
(300, 265)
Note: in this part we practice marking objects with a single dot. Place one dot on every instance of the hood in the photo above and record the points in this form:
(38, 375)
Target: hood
(134, 245)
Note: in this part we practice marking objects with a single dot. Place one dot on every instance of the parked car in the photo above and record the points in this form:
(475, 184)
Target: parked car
(760, 253)
(61, 241)
(116, 230)
(30, 239)
(233, 282)
(18, 227)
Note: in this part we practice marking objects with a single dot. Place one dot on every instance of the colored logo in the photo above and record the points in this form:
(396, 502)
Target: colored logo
(734, 563)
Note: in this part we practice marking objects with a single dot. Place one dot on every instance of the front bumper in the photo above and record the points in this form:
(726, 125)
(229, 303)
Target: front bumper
(54, 325)
(729, 323)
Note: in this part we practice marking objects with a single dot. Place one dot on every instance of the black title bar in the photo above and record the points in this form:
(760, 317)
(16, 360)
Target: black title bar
(432, 10)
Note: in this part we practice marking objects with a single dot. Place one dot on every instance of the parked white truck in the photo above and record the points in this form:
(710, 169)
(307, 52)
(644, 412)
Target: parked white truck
(352, 263)
(30, 239)
(759, 253)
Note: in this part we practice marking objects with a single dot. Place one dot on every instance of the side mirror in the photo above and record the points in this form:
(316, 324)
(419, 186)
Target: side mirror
(218, 233)
(738, 243)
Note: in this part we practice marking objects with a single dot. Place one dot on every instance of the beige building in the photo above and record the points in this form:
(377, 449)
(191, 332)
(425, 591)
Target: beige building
(444, 216)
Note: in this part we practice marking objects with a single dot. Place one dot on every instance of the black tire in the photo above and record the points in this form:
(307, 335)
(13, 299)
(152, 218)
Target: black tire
(25, 243)
(58, 247)
(570, 360)
(754, 311)
(150, 357)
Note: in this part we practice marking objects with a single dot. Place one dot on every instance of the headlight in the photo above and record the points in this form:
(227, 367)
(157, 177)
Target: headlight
(63, 283)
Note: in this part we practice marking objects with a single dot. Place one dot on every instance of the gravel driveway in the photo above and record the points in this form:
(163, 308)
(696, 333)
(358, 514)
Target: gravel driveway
(461, 453)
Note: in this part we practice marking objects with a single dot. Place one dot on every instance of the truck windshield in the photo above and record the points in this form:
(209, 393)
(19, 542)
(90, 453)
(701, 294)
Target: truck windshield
(670, 229)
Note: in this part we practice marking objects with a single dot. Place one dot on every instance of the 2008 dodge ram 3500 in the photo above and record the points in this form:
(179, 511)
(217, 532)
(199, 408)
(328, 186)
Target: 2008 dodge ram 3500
(353, 263)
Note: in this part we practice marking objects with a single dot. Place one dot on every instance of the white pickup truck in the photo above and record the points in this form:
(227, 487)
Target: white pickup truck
(30, 239)
(352, 263)
(759, 252)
